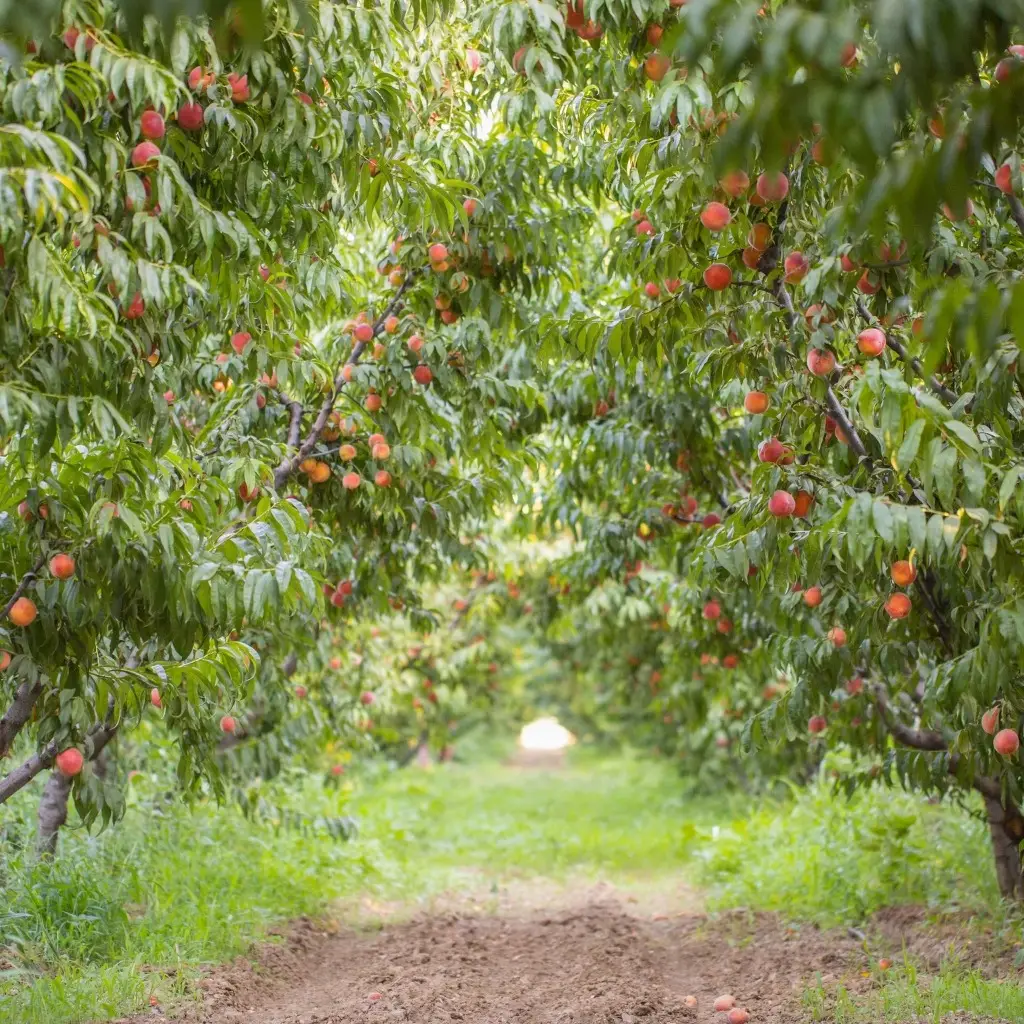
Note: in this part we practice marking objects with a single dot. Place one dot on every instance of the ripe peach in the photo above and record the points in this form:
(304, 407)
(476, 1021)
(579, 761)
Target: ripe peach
(820, 362)
(301, 692)
(367, 698)
(247, 493)
(812, 597)
(712, 610)
(847, 265)
(169, 398)
(710, 521)
(782, 504)
(772, 450)
(796, 267)
(1006, 742)
(239, 87)
(227, 724)
(473, 61)
(772, 188)
(373, 402)
(470, 206)
(415, 343)
(62, 567)
(382, 478)
(751, 258)
(656, 67)
(759, 237)
(804, 501)
(422, 375)
(651, 290)
(723, 1003)
(350, 481)
(990, 720)
(871, 341)
(381, 450)
(735, 183)
(69, 762)
(756, 402)
(730, 661)
(23, 612)
(838, 636)
(5, 660)
(884, 964)
(391, 324)
(644, 227)
(151, 124)
(654, 34)
(144, 153)
(903, 573)
(848, 55)
(135, 308)
(672, 285)
(717, 277)
(898, 606)
(321, 473)
(363, 333)
(854, 686)
(1004, 179)
(437, 253)
(715, 216)
(239, 340)
(868, 284)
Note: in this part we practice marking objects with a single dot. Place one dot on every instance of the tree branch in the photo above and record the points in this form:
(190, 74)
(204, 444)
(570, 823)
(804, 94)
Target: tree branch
(898, 347)
(20, 589)
(919, 739)
(289, 465)
(25, 773)
(18, 714)
(836, 411)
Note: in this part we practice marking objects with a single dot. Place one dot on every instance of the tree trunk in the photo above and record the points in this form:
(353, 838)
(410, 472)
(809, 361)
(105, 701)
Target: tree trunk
(53, 812)
(1006, 828)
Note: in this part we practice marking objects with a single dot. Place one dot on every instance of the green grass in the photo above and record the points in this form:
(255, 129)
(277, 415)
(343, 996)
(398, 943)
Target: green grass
(906, 994)
(836, 861)
(138, 909)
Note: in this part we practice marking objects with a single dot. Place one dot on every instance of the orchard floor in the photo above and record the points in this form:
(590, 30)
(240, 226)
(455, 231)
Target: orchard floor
(534, 953)
(606, 892)
(567, 904)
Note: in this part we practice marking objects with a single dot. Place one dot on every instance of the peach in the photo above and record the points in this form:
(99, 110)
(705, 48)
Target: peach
(1004, 179)
(735, 183)
(782, 504)
(1006, 742)
(715, 216)
(247, 493)
(422, 375)
(473, 61)
(796, 267)
(437, 253)
(644, 227)
(772, 450)
(990, 720)
(656, 67)
(654, 34)
(62, 567)
(5, 660)
(350, 481)
(367, 698)
(69, 762)
(381, 450)
(804, 500)
(820, 362)
(23, 612)
(868, 284)
(239, 340)
(415, 343)
(712, 610)
(871, 341)
(756, 402)
(239, 87)
(382, 478)
(717, 277)
(854, 686)
(151, 124)
(772, 188)
(227, 724)
(751, 257)
(723, 1003)
(847, 265)
(155, 698)
(898, 606)
(144, 153)
(838, 636)
(759, 237)
(884, 964)
(363, 333)
(730, 661)
(373, 402)
(710, 521)
(903, 573)
(672, 285)
(347, 452)
(812, 597)
(651, 290)
(470, 206)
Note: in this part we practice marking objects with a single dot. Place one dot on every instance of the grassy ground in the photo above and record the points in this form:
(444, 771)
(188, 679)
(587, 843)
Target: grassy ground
(135, 911)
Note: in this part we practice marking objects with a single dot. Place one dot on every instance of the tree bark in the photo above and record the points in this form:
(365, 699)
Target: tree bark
(53, 812)
(1006, 829)
(53, 805)
(18, 714)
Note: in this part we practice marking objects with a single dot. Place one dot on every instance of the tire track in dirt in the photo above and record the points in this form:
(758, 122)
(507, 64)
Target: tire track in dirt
(591, 960)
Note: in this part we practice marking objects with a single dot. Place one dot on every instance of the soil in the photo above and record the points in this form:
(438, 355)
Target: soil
(582, 955)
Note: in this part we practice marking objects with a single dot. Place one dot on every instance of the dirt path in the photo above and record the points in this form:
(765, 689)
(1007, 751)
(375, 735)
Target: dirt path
(593, 956)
